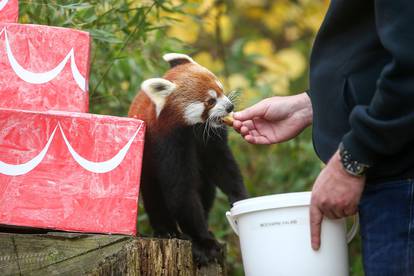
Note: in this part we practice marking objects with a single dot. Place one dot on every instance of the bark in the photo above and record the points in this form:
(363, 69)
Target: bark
(83, 254)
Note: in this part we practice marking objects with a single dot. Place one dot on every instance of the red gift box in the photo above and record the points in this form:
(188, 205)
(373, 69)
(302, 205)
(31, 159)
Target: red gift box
(9, 10)
(43, 68)
(70, 171)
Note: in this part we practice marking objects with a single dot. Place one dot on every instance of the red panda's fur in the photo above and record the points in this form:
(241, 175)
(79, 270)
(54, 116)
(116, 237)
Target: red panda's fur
(192, 81)
(180, 168)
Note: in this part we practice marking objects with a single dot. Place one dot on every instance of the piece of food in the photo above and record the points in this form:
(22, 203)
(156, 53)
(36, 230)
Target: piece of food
(228, 120)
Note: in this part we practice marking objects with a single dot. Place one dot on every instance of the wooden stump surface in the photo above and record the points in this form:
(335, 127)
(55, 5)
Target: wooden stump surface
(84, 254)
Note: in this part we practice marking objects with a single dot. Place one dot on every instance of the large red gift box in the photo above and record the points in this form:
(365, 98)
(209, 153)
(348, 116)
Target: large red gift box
(43, 68)
(70, 171)
(9, 10)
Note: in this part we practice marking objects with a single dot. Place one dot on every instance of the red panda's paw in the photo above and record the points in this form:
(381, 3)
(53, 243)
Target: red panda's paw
(210, 251)
(199, 255)
(165, 235)
(216, 251)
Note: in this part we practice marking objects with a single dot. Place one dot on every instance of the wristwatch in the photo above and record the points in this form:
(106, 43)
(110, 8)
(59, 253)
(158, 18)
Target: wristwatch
(350, 165)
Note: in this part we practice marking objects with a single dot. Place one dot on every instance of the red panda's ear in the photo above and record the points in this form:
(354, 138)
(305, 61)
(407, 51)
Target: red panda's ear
(175, 59)
(158, 89)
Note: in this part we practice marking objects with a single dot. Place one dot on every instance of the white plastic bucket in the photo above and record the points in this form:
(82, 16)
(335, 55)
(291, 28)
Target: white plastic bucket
(274, 234)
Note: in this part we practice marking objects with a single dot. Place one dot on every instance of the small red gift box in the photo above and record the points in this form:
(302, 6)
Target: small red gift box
(43, 68)
(9, 11)
(70, 171)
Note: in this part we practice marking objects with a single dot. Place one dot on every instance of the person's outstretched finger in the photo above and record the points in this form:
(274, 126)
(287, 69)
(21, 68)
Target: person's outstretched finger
(316, 217)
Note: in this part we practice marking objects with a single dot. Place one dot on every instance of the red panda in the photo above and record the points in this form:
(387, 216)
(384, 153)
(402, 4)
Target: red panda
(182, 166)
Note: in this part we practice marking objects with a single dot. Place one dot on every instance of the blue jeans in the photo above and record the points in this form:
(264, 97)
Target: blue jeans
(387, 228)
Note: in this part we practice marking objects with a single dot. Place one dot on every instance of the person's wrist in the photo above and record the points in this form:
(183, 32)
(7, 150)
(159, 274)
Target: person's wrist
(304, 108)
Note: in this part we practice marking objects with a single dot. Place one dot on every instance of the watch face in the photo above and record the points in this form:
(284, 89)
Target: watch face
(351, 166)
(354, 168)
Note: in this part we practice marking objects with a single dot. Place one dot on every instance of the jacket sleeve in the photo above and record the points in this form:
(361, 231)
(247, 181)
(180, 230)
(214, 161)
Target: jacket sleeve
(385, 126)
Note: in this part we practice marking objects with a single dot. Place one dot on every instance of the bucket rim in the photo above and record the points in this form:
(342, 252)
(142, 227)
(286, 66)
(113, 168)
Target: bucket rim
(269, 202)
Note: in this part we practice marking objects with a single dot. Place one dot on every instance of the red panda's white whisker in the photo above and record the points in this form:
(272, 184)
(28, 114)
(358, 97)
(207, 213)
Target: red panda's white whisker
(206, 134)
(234, 96)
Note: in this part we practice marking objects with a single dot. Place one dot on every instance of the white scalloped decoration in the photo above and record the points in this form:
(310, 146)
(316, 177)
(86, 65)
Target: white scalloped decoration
(100, 167)
(3, 3)
(45, 77)
(95, 167)
(15, 170)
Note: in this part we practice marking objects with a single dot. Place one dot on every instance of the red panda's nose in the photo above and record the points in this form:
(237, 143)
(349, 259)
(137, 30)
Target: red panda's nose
(230, 108)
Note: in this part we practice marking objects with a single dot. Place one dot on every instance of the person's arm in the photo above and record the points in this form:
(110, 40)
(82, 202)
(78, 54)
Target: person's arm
(274, 120)
(386, 126)
(378, 130)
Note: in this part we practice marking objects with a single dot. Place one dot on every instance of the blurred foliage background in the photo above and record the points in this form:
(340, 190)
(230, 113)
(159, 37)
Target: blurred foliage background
(260, 48)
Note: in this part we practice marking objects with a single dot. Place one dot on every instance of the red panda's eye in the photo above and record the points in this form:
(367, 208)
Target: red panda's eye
(212, 101)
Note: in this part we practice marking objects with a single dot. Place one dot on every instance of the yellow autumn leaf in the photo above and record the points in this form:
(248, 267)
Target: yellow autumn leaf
(176, 2)
(271, 63)
(313, 15)
(294, 62)
(244, 5)
(278, 82)
(185, 29)
(248, 97)
(24, 18)
(263, 47)
(140, 4)
(292, 33)
(254, 13)
(266, 78)
(206, 60)
(188, 6)
(281, 86)
(272, 23)
(313, 21)
(125, 85)
(217, 15)
(237, 81)
(226, 26)
(205, 6)
(277, 15)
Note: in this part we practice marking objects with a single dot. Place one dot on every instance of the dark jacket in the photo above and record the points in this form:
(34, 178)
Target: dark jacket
(362, 84)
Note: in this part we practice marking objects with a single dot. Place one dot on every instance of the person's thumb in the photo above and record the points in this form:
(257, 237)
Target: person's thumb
(257, 110)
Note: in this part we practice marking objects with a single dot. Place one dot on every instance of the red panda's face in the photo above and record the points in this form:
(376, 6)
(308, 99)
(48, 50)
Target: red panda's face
(193, 92)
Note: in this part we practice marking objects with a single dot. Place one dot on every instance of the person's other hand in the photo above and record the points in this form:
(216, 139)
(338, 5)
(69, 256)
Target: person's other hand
(274, 120)
(335, 194)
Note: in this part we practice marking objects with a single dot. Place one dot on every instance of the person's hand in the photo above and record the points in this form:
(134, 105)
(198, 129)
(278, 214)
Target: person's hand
(274, 120)
(335, 194)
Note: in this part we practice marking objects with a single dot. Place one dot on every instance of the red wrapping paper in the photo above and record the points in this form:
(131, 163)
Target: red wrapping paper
(43, 68)
(70, 171)
(9, 11)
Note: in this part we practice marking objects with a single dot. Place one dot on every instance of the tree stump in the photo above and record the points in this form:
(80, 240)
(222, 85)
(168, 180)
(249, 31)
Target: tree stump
(84, 254)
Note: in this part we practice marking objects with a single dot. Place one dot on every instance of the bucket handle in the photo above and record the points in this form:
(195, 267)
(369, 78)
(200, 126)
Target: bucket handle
(232, 223)
(354, 229)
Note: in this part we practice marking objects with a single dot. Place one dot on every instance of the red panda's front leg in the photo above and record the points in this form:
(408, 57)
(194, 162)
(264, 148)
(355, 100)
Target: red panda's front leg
(180, 182)
(220, 167)
(227, 176)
